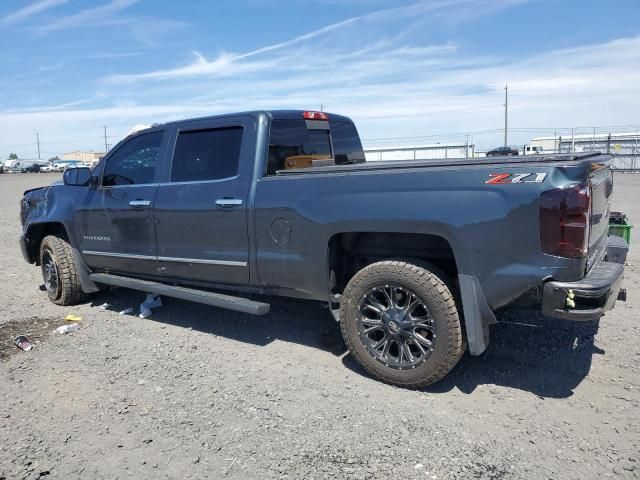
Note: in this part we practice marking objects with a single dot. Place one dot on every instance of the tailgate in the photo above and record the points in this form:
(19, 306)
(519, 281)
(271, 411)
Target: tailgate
(601, 180)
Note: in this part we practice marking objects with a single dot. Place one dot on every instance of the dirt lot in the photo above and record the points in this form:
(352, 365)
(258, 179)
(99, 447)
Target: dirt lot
(197, 392)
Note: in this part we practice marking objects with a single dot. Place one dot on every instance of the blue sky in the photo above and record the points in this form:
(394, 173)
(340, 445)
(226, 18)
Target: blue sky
(408, 72)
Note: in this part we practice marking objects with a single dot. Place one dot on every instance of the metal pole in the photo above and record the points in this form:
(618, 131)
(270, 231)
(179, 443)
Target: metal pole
(635, 154)
(38, 140)
(506, 108)
(555, 143)
(106, 147)
(466, 150)
(573, 142)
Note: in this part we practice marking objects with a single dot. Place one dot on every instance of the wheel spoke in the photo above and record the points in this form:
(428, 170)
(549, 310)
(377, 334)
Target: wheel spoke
(420, 347)
(374, 304)
(401, 353)
(412, 303)
(373, 329)
(385, 350)
(422, 340)
(387, 296)
(380, 343)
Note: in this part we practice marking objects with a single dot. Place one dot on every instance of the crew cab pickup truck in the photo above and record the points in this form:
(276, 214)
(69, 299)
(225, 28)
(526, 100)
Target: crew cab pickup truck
(413, 257)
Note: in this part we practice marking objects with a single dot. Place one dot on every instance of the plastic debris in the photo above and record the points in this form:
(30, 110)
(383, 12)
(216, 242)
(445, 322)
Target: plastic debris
(145, 313)
(73, 318)
(105, 306)
(68, 328)
(126, 311)
(23, 343)
(152, 301)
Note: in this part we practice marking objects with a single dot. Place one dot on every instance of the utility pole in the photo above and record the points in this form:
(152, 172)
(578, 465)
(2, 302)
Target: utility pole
(106, 147)
(506, 108)
(573, 141)
(38, 141)
(321, 107)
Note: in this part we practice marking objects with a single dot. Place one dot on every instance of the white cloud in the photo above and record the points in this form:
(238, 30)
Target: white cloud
(30, 10)
(90, 16)
(391, 85)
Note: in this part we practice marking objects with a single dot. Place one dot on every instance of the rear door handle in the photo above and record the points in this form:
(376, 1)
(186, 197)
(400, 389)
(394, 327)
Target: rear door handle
(140, 203)
(228, 202)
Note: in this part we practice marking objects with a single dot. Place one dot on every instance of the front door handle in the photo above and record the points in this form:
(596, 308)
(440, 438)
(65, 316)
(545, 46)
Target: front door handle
(228, 202)
(140, 203)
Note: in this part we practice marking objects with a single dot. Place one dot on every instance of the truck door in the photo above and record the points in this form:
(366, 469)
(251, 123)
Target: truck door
(115, 220)
(201, 211)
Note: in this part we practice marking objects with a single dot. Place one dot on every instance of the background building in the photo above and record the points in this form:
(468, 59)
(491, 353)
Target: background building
(84, 157)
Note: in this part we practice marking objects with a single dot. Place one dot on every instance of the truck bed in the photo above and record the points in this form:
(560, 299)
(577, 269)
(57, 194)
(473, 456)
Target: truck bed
(453, 162)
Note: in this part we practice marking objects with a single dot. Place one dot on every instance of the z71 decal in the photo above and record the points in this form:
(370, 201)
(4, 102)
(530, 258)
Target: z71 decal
(509, 178)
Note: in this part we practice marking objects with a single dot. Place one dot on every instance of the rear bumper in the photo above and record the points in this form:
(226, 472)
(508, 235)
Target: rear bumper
(595, 294)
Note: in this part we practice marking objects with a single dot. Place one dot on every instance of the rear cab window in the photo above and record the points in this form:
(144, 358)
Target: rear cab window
(300, 143)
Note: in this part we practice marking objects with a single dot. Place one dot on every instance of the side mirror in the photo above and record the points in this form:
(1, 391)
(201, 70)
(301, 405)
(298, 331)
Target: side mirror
(78, 176)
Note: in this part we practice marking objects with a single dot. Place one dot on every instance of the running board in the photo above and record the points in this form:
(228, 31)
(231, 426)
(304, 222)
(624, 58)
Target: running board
(199, 296)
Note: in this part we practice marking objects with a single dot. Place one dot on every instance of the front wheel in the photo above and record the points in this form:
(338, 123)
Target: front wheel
(59, 271)
(400, 322)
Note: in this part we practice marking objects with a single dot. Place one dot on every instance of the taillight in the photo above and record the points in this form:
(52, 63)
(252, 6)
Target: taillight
(315, 116)
(564, 221)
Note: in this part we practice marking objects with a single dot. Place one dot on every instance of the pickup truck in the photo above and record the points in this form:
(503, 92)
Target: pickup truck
(412, 257)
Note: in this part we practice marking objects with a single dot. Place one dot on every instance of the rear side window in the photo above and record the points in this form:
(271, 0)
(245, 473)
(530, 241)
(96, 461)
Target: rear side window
(210, 154)
(346, 143)
(134, 162)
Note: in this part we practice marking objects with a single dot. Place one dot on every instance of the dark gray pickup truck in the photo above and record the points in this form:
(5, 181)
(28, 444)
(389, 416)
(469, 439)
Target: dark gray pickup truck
(412, 257)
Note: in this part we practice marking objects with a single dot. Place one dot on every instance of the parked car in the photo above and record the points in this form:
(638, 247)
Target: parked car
(47, 169)
(33, 168)
(412, 257)
(502, 152)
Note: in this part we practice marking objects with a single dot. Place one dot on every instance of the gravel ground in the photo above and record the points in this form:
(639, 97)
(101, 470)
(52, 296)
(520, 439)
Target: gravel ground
(197, 392)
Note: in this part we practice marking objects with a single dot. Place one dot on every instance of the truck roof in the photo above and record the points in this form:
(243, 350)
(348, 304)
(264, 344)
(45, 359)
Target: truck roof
(272, 114)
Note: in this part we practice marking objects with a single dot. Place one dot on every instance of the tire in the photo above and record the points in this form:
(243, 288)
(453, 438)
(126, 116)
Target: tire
(431, 334)
(56, 258)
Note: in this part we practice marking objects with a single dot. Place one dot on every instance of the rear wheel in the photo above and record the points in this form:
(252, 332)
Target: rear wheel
(59, 271)
(400, 322)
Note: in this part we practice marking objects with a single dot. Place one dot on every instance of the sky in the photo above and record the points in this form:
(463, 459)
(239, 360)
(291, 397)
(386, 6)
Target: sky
(407, 72)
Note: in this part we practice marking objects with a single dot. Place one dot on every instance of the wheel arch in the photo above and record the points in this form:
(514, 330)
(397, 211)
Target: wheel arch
(349, 252)
(36, 232)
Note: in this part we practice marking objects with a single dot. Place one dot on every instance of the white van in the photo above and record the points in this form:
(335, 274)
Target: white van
(532, 150)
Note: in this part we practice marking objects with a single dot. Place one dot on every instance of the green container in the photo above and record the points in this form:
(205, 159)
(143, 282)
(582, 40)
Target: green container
(623, 231)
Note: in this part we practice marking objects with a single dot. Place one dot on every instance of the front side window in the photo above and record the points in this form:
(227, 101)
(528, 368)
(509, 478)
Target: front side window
(293, 145)
(135, 162)
(210, 154)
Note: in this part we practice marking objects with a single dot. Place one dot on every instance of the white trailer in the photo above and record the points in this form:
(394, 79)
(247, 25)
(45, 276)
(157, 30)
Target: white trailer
(21, 164)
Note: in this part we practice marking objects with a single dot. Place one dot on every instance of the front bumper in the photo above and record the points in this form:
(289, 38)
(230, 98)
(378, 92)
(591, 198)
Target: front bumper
(595, 294)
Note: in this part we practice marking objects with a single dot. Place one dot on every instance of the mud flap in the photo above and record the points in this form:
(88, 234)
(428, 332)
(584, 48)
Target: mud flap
(477, 314)
(86, 284)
